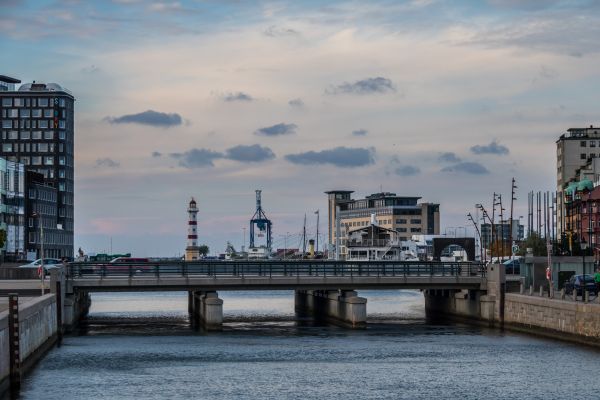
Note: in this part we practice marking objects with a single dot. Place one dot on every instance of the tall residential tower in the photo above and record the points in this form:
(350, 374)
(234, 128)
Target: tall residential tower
(37, 128)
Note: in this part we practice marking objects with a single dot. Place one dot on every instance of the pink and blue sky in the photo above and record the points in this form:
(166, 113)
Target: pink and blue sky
(441, 99)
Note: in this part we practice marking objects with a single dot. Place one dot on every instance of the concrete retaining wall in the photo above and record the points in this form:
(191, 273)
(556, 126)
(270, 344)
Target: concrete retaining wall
(554, 317)
(38, 329)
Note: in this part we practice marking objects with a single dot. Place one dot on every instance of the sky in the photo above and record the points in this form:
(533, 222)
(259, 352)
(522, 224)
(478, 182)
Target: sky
(447, 100)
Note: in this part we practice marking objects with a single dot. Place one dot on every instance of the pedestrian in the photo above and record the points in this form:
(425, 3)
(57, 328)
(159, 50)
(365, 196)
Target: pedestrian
(597, 281)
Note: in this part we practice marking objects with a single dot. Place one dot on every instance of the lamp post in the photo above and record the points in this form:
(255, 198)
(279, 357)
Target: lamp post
(584, 247)
(39, 218)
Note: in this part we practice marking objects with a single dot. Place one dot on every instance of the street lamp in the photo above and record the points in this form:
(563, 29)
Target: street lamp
(583, 244)
(40, 220)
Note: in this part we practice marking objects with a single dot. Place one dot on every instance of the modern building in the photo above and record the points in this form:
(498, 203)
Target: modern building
(502, 232)
(37, 130)
(12, 209)
(42, 219)
(402, 214)
(575, 149)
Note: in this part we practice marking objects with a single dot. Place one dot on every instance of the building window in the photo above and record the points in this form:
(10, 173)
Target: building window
(43, 124)
(61, 188)
(43, 147)
(36, 113)
(592, 143)
(36, 135)
(415, 221)
(7, 101)
(6, 147)
(61, 160)
(583, 143)
(6, 123)
(62, 135)
(13, 113)
(583, 156)
(13, 135)
(19, 102)
(25, 113)
(47, 113)
(49, 160)
(400, 221)
(49, 135)
(61, 173)
(43, 102)
(36, 160)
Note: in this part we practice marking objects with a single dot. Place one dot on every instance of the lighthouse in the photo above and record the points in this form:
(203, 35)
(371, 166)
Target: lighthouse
(192, 251)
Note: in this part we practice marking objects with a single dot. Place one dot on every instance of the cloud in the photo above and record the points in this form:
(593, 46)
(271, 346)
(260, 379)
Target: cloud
(492, 148)
(107, 162)
(156, 154)
(360, 132)
(253, 153)
(277, 130)
(364, 86)
(407, 170)
(276, 31)
(150, 117)
(298, 103)
(239, 96)
(449, 157)
(467, 167)
(196, 158)
(339, 156)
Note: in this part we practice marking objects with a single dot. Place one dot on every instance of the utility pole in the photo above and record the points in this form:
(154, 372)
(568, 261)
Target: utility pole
(304, 237)
(502, 225)
(317, 250)
(512, 201)
(478, 234)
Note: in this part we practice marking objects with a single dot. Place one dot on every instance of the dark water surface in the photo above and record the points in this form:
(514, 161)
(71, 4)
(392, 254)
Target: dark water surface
(141, 346)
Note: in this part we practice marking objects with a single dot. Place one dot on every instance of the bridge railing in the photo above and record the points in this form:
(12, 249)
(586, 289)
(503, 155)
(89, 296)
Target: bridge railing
(304, 268)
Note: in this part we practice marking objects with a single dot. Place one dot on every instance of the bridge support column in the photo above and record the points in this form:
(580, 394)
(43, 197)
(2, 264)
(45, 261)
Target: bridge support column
(208, 310)
(485, 305)
(343, 307)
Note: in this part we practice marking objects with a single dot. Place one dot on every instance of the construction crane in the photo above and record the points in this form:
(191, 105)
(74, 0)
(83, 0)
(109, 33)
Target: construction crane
(262, 223)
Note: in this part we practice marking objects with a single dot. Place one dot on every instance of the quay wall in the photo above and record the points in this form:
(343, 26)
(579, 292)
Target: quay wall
(573, 321)
(38, 332)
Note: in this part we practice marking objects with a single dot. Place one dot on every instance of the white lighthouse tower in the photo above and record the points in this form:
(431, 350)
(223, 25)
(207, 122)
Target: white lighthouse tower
(192, 251)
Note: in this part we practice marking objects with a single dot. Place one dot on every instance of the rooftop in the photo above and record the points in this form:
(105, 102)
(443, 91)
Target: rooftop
(43, 87)
(8, 79)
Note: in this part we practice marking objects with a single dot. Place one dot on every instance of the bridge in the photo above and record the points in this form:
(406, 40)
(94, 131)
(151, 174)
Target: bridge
(321, 286)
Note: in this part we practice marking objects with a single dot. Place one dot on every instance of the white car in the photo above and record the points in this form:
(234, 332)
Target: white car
(49, 263)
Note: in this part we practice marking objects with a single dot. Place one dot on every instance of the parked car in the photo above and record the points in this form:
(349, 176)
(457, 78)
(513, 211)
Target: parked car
(578, 282)
(124, 266)
(48, 263)
(512, 267)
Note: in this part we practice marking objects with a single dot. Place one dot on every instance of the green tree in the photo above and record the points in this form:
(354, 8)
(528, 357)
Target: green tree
(204, 250)
(2, 237)
(534, 242)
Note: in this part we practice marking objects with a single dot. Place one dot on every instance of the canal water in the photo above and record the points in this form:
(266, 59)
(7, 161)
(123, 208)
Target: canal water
(140, 346)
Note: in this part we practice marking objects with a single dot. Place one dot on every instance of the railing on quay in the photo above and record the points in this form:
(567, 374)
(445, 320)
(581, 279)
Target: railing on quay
(271, 268)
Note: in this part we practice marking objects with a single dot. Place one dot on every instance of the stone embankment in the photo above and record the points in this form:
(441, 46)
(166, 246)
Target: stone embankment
(36, 332)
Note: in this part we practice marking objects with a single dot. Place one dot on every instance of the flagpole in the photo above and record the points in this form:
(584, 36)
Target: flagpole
(317, 251)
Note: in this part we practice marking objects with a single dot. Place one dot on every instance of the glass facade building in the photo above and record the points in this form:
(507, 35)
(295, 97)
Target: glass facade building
(12, 209)
(37, 130)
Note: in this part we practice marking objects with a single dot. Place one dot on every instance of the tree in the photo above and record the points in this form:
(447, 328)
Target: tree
(203, 249)
(534, 242)
(2, 237)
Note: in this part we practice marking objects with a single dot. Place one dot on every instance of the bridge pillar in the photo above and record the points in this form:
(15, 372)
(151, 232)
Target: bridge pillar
(485, 305)
(343, 307)
(208, 310)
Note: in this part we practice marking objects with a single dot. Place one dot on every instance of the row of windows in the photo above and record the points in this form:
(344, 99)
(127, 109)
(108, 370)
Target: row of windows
(592, 143)
(43, 209)
(32, 102)
(33, 124)
(51, 238)
(39, 160)
(35, 135)
(32, 147)
(585, 156)
(33, 113)
(46, 195)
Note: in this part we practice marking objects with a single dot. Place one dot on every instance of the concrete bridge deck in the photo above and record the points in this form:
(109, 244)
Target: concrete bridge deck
(275, 275)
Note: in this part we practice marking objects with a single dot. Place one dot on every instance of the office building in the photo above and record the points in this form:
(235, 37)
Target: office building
(575, 153)
(402, 214)
(12, 209)
(502, 232)
(37, 130)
